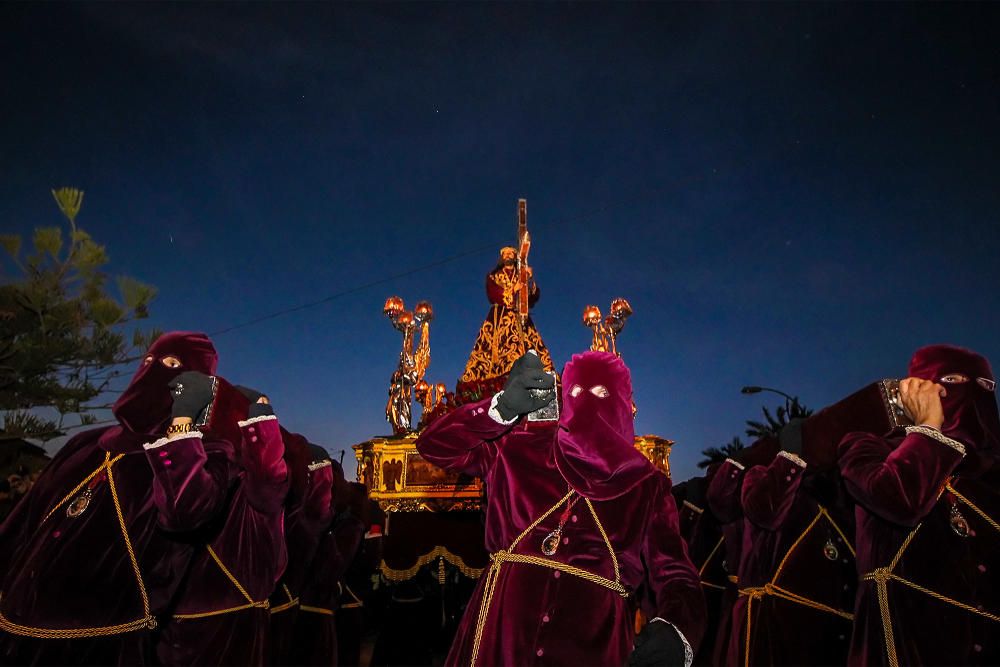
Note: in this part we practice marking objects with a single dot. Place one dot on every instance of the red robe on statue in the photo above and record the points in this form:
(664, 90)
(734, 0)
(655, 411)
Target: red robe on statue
(501, 340)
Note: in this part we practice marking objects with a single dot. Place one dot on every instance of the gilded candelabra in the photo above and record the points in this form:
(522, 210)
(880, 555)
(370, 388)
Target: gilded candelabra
(606, 330)
(413, 363)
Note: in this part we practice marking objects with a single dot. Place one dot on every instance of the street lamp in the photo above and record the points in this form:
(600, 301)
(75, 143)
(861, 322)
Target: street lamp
(756, 390)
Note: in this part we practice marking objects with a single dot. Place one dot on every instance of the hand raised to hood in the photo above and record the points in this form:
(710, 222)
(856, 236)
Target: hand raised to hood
(526, 374)
(191, 392)
(260, 404)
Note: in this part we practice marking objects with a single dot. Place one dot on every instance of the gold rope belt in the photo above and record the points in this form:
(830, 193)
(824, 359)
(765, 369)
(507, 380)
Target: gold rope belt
(285, 606)
(508, 556)
(772, 588)
(356, 601)
(883, 575)
(708, 558)
(316, 610)
(501, 557)
(250, 602)
(263, 604)
(7, 625)
(704, 566)
(147, 622)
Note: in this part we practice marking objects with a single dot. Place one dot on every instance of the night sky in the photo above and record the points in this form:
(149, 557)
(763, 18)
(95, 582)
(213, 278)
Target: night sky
(792, 195)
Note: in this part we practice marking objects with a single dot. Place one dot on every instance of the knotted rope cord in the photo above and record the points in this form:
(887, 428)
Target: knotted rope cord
(882, 575)
(292, 601)
(251, 603)
(507, 556)
(772, 587)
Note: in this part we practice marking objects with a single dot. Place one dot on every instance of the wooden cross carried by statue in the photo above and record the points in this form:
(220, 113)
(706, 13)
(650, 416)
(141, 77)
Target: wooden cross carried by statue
(523, 270)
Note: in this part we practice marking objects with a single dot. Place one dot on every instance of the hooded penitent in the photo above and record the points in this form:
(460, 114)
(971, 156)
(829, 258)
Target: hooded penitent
(595, 446)
(144, 406)
(970, 409)
(297, 457)
(339, 487)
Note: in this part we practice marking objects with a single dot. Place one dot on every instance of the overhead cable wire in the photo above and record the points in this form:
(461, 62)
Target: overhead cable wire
(352, 290)
(663, 185)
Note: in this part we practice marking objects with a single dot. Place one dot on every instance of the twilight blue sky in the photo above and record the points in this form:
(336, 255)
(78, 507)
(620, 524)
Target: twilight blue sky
(794, 195)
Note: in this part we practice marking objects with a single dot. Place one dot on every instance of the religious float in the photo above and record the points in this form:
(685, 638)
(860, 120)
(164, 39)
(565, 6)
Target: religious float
(433, 519)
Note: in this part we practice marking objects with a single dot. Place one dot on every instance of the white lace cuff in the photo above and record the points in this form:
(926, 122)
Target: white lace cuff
(164, 440)
(736, 463)
(935, 434)
(319, 464)
(254, 420)
(495, 414)
(797, 460)
(688, 651)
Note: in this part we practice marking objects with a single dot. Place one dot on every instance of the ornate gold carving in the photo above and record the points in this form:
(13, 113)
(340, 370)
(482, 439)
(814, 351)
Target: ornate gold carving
(402, 481)
(657, 450)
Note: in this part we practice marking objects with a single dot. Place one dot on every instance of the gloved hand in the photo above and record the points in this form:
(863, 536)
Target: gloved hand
(192, 392)
(790, 437)
(658, 645)
(257, 408)
(527, 373)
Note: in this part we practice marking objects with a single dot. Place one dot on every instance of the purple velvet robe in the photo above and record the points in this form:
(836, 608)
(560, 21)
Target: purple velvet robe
(543, 616)
(214, 622)
(62, 572)
(306, 519)
(723, 498)
(897, 481)
(703, 534)
(705, 547)
(315, 629)
(790, 545)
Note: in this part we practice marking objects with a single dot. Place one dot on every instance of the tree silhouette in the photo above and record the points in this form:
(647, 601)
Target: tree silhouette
(772, 425)
(715, 455)
(62, 327)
